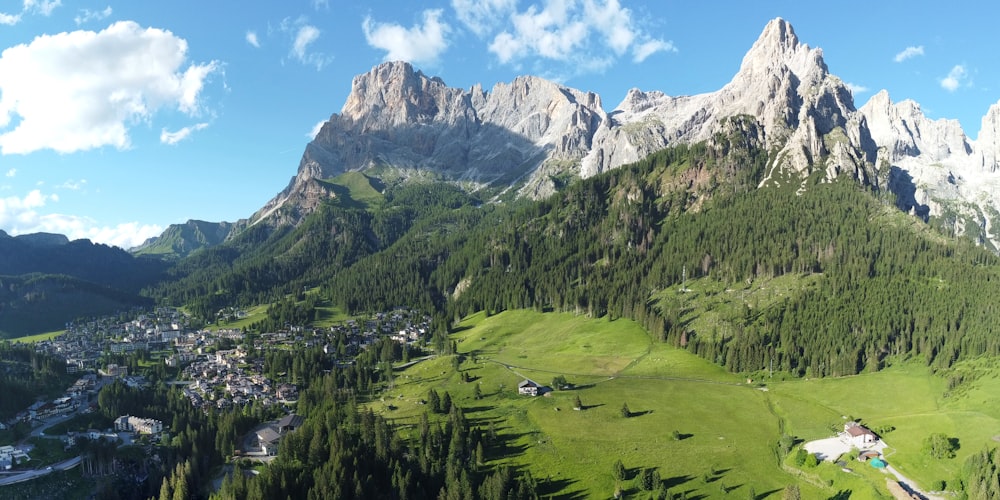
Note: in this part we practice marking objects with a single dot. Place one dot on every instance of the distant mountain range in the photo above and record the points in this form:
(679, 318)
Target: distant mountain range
(47, 280)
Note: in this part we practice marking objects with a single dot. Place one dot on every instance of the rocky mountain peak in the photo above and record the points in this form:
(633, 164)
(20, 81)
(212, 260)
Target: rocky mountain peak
(988, 139)
(778, 47)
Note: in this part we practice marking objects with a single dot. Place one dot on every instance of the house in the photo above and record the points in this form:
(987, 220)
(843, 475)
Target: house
(268, 440)
(858, 435)
(289, 423)
(528, 388)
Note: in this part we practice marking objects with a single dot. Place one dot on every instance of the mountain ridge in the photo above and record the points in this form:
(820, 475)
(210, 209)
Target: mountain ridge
(531, 136)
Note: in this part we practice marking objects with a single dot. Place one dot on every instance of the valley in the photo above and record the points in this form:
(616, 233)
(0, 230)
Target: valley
(515, 294)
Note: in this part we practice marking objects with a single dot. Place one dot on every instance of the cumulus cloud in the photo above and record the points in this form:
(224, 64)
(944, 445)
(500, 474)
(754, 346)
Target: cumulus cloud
(251, 38)
(315, 130)
(909, 52)
(419, 44)
(80, 90)
(855, 88)
(12, 172)
(589, 35)
(172, 138)
(954, 79)
(87, 15)
(21, 215)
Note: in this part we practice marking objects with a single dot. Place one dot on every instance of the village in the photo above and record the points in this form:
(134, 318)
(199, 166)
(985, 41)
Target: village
(218, 368)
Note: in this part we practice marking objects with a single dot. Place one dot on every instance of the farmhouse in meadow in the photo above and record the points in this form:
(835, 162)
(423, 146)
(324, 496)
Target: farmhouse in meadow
(858, 435)
(528, 388)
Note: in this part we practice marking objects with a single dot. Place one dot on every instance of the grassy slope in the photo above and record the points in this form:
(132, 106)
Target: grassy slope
(728, 427)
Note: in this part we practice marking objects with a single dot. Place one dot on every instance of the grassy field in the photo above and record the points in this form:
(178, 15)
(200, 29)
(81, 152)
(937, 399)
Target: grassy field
(729, 429)
(38, 337)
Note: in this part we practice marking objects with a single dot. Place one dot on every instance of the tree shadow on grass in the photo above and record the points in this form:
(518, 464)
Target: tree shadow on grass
(841, 495)
(675, 481)
(557, 488)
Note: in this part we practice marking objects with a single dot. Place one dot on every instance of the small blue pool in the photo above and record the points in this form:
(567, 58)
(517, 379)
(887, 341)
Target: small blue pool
(878, 463)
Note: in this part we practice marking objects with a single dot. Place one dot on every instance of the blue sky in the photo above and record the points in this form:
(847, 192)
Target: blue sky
(118, 118)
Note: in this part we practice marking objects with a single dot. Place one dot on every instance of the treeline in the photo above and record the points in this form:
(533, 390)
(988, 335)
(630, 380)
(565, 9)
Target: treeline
(615, 244)
(25, 374)
(611, 244)
(342, 451)
(264, 264)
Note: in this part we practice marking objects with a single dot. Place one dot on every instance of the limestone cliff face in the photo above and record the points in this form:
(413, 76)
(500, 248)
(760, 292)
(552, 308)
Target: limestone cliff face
(529, 133)
(934, 169)
(807, 113)
(398, 120)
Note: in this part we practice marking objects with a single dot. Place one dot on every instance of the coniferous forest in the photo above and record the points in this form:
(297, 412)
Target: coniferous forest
(888, 285)
(882, 287)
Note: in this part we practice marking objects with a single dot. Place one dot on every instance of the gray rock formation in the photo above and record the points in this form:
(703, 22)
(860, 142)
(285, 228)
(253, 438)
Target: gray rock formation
(527, 134)
(807, 113)
(404, 124)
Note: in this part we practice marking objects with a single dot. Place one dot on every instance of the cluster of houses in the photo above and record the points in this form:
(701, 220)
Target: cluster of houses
(84, 343)
(73, 398)
(227, 378)
(11, 456)
(219, 377)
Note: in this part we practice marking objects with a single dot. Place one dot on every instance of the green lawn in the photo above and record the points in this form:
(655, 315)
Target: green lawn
(729, 428)
(38, 337)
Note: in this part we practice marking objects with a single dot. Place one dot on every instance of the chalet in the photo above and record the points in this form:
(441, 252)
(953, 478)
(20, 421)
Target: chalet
(858, 435)
(528, 388)
(289, 423)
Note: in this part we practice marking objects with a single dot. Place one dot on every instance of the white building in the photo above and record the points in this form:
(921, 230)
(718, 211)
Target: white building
(128, 423)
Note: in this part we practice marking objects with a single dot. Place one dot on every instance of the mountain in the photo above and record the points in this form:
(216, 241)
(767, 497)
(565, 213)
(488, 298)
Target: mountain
(530, 137)
(180, 240)
(47, 280)
(936, 170)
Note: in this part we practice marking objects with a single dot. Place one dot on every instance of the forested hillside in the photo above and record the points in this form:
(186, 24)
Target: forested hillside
(46, 282)
(618, 244)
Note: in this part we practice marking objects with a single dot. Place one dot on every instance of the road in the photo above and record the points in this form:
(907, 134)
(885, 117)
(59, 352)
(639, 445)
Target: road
(32, 474)
(910, 484)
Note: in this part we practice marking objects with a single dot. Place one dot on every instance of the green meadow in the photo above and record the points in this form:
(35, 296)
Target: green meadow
(707, 432)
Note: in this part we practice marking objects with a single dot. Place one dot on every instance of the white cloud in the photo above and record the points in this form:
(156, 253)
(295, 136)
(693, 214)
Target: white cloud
(43, 7)
(483, 16)
(21, 216)
(9, 19)
(321, 4)
(172, 138)
(909, 52)
(251, 38)
(643, 50)
(315, 130)
(12, 172)
(81, 90)
(304, 36)
(73, 185)
(954, 79)
(420, 44)
(87, 15)
(589, 35)
(855, 88)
